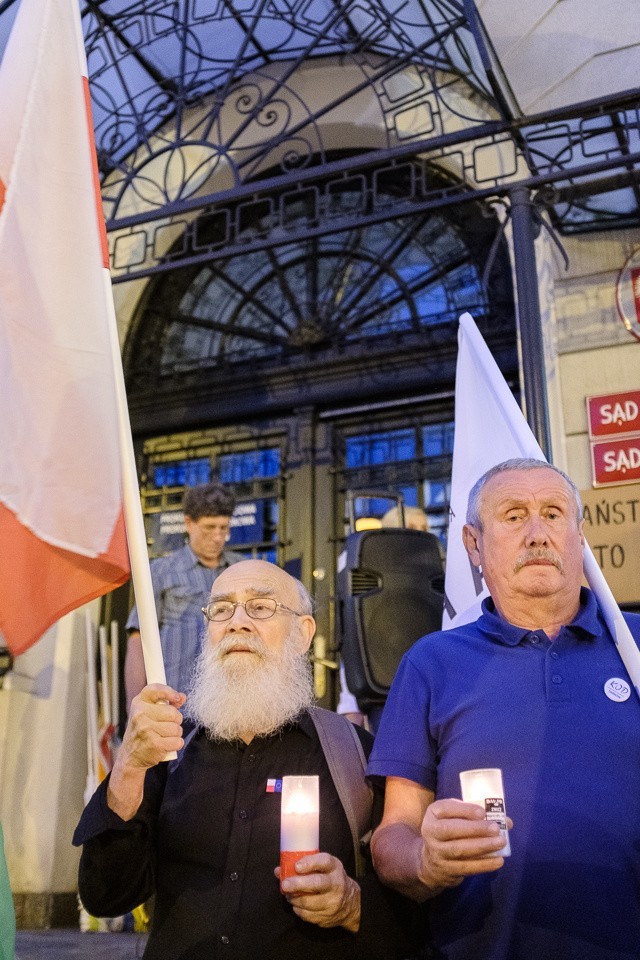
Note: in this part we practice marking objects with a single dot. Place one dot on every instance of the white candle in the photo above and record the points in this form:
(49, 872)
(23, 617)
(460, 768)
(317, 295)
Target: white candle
(485, 788)
(299, 821)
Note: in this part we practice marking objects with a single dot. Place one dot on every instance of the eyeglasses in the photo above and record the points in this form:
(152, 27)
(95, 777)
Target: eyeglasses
(259, 608)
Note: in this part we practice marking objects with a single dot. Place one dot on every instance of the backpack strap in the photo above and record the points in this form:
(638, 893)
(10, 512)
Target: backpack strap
(347, 763)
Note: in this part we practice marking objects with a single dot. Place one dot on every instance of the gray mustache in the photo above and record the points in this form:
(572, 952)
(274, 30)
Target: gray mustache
(538, 553)
(230, 643)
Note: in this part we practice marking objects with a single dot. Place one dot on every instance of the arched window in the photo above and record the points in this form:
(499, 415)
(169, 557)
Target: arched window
(332, 292)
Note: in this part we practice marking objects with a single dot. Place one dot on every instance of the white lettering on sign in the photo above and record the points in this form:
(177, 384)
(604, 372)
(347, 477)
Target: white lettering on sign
(619, 412)
(172, 521)
(622, 460)
(245, 515)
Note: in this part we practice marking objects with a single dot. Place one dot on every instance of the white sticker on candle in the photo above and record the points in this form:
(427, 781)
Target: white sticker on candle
(617, 690)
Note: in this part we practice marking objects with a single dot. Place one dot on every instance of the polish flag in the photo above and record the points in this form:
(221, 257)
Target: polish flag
(62, 535)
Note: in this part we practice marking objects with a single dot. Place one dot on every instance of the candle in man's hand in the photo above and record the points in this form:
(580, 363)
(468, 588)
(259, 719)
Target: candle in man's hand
(299, 822)
(485, 788)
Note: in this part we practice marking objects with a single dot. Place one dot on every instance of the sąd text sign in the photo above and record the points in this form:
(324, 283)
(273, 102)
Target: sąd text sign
(614, 414)
(614, 433)
(616, 461)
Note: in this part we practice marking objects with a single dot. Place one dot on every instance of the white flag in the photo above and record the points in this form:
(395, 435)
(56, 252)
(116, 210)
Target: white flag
(490, 428)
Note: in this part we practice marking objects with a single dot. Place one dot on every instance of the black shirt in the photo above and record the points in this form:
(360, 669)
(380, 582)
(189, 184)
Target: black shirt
(206, 840)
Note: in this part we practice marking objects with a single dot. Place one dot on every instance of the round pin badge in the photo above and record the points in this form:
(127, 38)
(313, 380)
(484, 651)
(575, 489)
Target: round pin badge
(617, 690)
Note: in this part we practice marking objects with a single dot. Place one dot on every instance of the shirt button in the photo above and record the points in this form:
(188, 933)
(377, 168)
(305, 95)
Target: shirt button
(243, 814)
(556, 678)
(251, 757)
(233, 876)
(224, 939)
(554, 655)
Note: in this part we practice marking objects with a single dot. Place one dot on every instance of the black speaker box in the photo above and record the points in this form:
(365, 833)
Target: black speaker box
(390, 593)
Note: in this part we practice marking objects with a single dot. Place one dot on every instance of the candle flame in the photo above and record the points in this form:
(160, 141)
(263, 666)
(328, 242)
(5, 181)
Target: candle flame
(299, 801)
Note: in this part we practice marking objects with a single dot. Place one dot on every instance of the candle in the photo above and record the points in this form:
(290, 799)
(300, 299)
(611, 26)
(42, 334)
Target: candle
(299, 821)
(485, 788)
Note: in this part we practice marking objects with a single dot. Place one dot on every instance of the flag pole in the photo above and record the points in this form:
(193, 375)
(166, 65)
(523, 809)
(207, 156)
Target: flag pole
(626, 645)
(136, 536)
(134, 523)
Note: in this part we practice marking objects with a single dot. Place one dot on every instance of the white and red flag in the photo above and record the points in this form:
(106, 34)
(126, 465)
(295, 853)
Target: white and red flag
(62, 535)
(490, 428)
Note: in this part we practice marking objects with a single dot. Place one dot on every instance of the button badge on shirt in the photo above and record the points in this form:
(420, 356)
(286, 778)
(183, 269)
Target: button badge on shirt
(274, 786)
(617, 690)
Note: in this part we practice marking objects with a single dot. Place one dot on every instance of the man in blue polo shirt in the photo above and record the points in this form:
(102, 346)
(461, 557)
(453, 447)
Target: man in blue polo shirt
(535, 687)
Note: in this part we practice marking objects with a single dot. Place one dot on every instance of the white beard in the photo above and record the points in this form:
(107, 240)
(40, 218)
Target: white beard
(232, 694)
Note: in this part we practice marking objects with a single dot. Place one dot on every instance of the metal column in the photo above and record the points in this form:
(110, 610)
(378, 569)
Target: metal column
(530, 322)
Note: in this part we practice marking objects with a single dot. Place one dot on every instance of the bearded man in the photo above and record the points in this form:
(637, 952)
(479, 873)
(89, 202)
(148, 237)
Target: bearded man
(203, 832)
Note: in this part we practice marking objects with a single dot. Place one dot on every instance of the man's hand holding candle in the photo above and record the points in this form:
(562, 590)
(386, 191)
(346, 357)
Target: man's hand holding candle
(457, 842)
(438, 842)
(321, 892)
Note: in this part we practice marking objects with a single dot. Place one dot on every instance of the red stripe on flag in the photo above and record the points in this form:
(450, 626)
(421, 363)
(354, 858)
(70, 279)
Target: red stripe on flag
(3, 191)
(39, 583)
(96, 178)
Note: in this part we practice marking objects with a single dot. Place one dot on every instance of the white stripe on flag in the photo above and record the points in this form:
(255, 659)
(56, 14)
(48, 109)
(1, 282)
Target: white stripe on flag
(60, 464)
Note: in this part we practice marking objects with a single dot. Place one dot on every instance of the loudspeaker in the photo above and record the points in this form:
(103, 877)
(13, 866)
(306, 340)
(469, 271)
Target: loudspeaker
(390, 593)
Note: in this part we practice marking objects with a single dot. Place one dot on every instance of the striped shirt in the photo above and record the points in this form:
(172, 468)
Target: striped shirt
(181, 587)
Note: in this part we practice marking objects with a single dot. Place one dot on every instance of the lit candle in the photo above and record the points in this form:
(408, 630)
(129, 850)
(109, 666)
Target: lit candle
(485, 788)
(299, 821)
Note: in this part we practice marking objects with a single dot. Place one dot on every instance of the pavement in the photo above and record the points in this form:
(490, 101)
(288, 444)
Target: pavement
(75, 945)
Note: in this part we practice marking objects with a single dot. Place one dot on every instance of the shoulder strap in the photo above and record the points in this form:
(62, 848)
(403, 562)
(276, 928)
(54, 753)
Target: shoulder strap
(347, 763)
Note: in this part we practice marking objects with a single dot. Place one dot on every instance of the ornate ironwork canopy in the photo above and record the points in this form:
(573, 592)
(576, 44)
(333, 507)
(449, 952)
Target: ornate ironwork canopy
(195, 99)
(184, 88)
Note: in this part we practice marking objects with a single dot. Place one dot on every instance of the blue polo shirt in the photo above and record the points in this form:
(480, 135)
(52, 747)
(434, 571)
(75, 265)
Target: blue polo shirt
(489, 694)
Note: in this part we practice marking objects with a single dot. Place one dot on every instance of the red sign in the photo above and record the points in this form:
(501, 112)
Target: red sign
(613, 414)
(616, 461)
